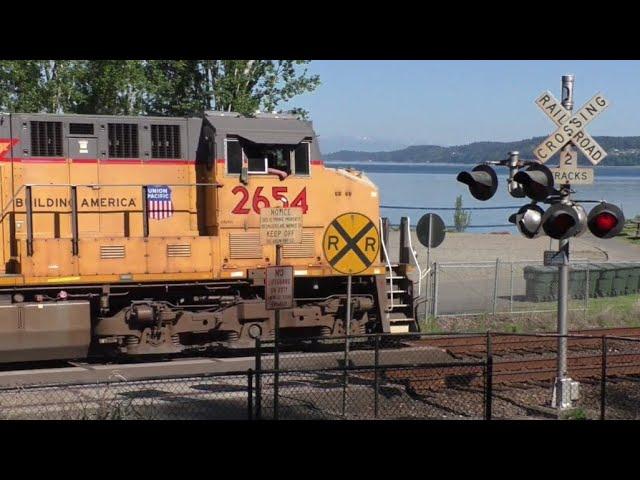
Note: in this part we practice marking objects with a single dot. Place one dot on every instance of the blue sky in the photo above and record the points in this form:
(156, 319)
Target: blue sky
(384, 105)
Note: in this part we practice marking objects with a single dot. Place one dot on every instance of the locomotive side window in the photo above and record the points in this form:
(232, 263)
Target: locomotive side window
(123, 140)
(234, 156)
(165, 141)
(263, 158)
(302, 158)
(46, 139)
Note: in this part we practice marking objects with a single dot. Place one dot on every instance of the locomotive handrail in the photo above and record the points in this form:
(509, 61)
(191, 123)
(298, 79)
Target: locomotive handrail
(413, 254)
(94, 185)
(389, 267)
(28, 187)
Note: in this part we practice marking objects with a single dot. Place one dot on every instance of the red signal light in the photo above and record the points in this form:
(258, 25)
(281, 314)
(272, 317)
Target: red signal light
(606, 220)
(562, 223)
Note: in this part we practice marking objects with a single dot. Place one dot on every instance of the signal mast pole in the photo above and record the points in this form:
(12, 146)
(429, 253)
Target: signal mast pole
(563, 382)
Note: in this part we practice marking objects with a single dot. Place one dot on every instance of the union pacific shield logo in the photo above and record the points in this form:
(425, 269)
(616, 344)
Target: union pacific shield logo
(159, 200)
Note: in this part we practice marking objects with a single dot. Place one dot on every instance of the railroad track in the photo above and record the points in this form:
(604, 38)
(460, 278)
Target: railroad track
(514, 371)
(506, 344)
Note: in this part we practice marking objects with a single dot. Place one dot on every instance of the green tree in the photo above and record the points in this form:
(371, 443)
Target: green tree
(152, 87)
(113, 87)
(461, 218)
(47, 86)
(184, 87)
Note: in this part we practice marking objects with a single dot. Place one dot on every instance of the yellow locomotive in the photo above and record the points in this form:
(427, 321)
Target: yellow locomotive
(141, 235)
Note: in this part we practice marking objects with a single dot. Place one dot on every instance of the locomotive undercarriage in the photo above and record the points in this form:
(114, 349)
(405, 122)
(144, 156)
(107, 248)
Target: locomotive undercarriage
(161, 319)
(227, 316)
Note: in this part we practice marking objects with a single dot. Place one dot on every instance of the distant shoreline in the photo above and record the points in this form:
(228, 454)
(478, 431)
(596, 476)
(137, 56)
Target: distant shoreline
(441, 164)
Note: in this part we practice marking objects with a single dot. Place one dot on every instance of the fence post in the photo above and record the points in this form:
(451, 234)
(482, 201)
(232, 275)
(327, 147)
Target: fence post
(495, 286)
(250, 394)
(603, 379)
(435, 290)
(586, 295)
(489, 379)
(511, 290)
(345, 378)
(376, 377)
(258, 365)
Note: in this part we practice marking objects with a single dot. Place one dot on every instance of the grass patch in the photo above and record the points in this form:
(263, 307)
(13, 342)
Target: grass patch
(575, 414)
(629, 232)
(605, 312)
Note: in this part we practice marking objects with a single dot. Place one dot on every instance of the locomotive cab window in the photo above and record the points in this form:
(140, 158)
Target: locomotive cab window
(263, 158)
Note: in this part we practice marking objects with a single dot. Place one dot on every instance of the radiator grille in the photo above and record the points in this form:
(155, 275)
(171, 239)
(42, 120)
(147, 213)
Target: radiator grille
(245, 245)
(165, 141)
(46, 139)
(301, 250)
(111, 251)
(179, 250)
(81, 129)
(123, 140)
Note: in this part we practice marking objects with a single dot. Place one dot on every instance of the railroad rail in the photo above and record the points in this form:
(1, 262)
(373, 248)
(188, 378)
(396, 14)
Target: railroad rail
(401, 350)
(522, 343)
(514, 371)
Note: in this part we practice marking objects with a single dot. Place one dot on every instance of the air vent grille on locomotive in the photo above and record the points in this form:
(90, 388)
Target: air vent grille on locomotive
(245, 245)
(301, 250)
(123, 140)
(165, 141)
(178, 250)
(46, 139)
(81, 129)
(111, 251)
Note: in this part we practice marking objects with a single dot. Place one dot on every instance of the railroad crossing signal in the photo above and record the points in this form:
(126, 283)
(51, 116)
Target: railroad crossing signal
(528, 220)
(482, 181)
(560, 116)
(351, 243)
(536, 181)
(605, 220)
(571, 129)
(562, 221)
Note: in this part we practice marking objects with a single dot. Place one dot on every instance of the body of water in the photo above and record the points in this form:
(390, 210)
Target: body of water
(434, 186)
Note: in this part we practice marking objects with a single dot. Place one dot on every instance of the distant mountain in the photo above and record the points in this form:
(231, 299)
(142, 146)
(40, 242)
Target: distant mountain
(334, 143)
(620, 151)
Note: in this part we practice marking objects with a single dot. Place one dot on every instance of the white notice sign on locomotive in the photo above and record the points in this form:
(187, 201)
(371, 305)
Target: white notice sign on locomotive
(278, 287)
(279, 226)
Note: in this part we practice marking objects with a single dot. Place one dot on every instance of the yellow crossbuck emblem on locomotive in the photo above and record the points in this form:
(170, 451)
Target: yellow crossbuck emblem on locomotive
(351, 243)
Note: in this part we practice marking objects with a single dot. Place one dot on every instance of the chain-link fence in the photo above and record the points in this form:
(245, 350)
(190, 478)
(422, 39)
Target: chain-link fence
(500, 288)
(214, 396)
(495, 375)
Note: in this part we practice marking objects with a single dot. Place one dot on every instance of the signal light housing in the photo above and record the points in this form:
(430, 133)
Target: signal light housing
(563, 221)
(536, 180)
(606, 220)
(528, 220)
(482, 182)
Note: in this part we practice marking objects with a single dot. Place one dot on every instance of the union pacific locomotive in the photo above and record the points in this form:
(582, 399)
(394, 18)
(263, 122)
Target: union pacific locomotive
(141, 235)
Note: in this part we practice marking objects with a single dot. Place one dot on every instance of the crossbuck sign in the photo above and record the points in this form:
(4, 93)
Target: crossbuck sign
(571, 129)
